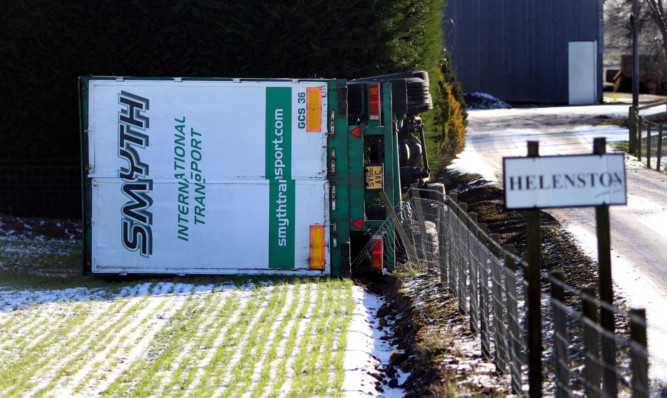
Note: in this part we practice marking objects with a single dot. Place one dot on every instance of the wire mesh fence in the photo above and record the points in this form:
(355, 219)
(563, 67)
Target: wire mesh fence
(50, 189)
(580, 357)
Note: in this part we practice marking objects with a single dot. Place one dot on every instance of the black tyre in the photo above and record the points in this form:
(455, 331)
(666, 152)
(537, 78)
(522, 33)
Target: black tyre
(416, 85)
(419, 96)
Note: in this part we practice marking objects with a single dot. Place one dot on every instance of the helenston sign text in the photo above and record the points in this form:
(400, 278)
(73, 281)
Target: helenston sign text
(564, 181)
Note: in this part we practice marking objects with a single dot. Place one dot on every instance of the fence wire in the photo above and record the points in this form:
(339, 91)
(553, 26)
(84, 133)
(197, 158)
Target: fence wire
(488, 281)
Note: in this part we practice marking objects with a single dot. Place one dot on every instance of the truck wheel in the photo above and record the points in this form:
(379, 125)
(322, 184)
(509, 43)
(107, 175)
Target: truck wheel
(419, 96)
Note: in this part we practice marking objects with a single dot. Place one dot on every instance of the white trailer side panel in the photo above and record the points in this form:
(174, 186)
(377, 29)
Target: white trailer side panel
(212, 176)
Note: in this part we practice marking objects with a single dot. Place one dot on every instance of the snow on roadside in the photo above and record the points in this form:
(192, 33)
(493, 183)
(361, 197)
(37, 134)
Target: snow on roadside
(640, 292)
(484, 101)
(366, 350)
(609, 110)
(471, 162)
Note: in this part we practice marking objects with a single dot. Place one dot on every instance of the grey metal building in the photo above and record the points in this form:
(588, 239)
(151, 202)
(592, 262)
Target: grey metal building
(526, 50)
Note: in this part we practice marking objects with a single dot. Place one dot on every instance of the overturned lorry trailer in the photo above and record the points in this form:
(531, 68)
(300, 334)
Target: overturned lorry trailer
(245, 176)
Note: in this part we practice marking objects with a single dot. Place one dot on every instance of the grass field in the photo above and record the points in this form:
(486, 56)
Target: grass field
(62, 334)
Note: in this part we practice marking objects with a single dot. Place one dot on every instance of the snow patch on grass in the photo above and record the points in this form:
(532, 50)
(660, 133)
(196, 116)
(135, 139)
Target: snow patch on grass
(297, 338)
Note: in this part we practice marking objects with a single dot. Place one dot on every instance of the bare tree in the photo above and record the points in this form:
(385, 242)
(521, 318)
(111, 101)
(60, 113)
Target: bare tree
(618, 27)
(659, 14)
(652, 25)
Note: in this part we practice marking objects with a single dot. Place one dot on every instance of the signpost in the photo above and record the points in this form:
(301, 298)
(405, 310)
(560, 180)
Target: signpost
(534, 259)
(536, 182)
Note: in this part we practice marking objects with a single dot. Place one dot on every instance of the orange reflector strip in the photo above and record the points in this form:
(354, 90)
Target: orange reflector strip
(314, 109)
(374, 101)
(377, 253)
(317, 247)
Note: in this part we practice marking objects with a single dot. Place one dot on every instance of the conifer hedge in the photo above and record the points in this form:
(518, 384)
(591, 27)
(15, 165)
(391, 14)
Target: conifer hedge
(449, 117)
(47, 44)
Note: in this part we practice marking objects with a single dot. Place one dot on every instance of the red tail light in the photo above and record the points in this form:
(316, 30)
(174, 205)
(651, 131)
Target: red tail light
(377, 253)
(374, 101)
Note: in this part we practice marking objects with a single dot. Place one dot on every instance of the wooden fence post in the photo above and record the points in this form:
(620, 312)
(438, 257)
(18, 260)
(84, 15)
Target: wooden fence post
(659, 146)
(592, 368)
(606, 291)
(632, 128)
(648, 144)
(534, 259)
(639, 353)
(640, 121)
(493, 245)
(560, 337)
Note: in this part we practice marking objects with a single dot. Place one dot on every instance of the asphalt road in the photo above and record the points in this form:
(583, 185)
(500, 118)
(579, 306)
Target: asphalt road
(638, 230)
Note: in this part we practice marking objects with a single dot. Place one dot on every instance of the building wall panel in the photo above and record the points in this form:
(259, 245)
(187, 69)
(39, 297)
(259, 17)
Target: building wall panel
(517, 49)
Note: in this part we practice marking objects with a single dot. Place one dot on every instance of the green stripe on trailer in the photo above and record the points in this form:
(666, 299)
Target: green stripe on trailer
(279, 173)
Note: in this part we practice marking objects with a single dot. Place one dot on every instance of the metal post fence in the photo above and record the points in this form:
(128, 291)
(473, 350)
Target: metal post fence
(465, 259)
(484, 300)
(442, 242)
(514, 336)
(499, 316)
(452, 253)
(474, 281)
(561, 340)
(491, 290)
(651, 148)
(636, 125)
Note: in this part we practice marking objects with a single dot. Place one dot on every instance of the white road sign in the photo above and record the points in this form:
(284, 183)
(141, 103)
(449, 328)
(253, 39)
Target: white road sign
(564, 181)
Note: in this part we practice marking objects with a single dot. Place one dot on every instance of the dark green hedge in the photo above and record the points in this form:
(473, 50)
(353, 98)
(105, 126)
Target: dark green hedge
(47, 44)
